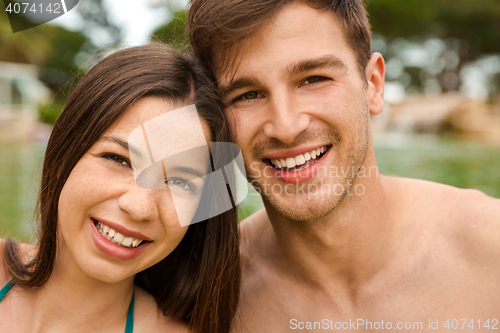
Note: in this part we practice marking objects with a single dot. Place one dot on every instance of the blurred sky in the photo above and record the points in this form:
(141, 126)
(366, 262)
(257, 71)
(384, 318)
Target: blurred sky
(137, 18)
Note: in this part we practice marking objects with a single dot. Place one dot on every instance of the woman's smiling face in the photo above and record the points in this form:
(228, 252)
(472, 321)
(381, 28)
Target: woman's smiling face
(109, 226)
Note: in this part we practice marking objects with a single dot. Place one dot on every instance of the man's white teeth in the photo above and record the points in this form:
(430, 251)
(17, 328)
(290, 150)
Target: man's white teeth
(298, 160)
(116, 237)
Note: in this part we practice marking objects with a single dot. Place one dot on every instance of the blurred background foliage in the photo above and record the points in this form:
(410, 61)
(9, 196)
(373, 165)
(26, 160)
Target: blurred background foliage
(475, 22)
(430, 47)
(174, 32)
(451, 33)
(453, 39)
(60, 54)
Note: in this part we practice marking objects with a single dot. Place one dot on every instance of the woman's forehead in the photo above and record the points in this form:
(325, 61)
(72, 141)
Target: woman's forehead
(143, 111)
(146, 109)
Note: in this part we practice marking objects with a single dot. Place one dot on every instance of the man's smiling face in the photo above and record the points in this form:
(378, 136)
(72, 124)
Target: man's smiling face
(301, 112)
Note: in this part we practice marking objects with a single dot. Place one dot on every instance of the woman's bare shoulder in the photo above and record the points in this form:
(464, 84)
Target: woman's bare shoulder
(4, 278)
(26, 251)
(149, 318)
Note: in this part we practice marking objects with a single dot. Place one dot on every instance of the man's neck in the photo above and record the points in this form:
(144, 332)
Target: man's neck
(350, 245)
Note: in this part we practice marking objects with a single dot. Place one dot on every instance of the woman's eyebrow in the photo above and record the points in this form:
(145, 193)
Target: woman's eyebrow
(122, 143)
(328, 61)
(187, 170)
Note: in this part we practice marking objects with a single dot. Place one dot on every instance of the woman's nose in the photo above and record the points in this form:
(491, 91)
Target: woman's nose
(139, 203)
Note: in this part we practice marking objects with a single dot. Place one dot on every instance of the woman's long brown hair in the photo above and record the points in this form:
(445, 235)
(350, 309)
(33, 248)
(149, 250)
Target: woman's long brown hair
(198, 283)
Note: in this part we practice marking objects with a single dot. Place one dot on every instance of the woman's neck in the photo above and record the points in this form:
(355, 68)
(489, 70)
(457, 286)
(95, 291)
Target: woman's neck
(73, 301)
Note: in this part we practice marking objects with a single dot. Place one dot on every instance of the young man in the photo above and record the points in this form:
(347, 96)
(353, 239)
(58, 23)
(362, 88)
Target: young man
(338, 246)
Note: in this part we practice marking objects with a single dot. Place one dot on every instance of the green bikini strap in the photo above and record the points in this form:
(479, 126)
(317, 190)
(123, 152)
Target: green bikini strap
(6, 289)
(8, 286)
(129, 327)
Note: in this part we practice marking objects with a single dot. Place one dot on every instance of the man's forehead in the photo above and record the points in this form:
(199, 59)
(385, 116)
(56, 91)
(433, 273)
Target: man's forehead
(229, 59)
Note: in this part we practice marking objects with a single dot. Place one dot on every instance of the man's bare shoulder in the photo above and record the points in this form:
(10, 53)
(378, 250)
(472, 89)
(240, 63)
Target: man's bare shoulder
(467, 219)
(459, 204)
(149, 318)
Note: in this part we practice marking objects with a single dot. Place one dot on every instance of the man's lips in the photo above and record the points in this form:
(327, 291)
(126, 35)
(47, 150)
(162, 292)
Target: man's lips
(303, 173)
(304, 168)
(293, 151)
(287, 161)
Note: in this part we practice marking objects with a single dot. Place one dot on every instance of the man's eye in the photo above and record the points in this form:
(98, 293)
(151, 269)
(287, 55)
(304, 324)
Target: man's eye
(314, 79)
(247, 97)
(118, 159)
(250, 95)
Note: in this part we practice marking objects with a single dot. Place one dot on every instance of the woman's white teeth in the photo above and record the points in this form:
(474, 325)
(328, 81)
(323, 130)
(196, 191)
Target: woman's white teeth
(116, 237)
(127, 241)
(298, 160)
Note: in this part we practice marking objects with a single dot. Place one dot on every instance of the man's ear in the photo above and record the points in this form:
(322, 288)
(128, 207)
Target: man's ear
(375, 76)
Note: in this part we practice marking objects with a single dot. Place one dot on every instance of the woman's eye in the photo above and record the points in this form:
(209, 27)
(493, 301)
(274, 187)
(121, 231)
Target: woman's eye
(118, 159)
(181, 183)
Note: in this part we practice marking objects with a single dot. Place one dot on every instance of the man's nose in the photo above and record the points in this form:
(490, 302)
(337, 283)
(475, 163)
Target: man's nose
(139, 203)
(287, 118)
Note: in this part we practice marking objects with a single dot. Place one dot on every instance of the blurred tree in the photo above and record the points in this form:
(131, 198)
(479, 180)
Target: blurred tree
(97, 25)
(52, 48)
(55, 49)
(451, 33)
(174, 32)
(21, 47)
(476, 22)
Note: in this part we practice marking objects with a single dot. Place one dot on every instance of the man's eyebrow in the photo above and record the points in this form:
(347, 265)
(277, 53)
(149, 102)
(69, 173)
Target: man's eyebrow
(242, 82)
(328, 61)
(123, 144)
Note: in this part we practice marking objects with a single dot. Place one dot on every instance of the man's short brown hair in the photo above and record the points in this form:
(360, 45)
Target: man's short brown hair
(218, 28)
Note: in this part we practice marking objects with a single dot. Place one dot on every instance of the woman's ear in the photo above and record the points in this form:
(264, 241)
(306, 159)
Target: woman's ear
(375, 77)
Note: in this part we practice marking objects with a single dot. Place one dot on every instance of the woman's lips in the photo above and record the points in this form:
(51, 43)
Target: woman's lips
(121, 229)
(113, 250)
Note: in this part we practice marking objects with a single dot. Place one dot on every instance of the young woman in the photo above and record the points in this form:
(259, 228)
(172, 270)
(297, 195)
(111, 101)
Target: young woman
(108, 258)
